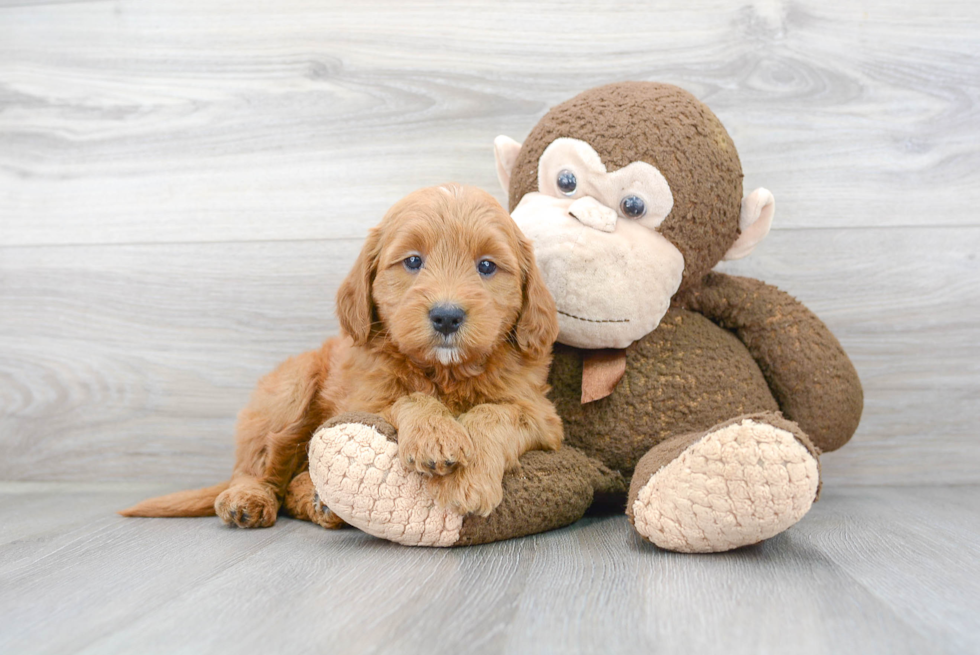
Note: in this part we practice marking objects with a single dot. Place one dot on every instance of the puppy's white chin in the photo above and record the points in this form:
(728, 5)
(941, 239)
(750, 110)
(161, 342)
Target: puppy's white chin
(447, 355)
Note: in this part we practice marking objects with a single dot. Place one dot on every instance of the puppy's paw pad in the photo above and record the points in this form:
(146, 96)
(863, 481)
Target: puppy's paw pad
(437, 448)
(323, 516)
(247, 507)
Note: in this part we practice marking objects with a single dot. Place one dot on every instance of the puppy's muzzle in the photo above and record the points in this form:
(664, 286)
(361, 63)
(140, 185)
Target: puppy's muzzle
(447, 319)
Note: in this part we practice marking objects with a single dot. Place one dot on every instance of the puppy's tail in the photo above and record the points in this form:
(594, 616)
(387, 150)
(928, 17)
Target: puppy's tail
(193, 502)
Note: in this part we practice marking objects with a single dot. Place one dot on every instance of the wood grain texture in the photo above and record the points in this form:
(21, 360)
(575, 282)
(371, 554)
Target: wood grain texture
(876, 570)
(131, 362)
(103, 378)
(131, 122)
(182, 187)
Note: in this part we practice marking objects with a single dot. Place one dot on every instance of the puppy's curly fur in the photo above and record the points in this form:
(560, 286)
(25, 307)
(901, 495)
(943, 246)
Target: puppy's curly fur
(467, 400)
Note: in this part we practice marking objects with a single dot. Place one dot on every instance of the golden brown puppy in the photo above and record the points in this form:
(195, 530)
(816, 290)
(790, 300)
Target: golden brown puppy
(447, 333)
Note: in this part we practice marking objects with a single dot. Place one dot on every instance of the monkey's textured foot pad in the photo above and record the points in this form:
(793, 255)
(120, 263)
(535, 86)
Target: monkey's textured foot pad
(736, 485)
(356, 472)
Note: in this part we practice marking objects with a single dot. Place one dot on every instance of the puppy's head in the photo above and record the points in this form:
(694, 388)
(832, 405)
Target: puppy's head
(448, 278)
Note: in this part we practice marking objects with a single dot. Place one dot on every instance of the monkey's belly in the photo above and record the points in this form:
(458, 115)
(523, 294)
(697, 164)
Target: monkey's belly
(685, 376)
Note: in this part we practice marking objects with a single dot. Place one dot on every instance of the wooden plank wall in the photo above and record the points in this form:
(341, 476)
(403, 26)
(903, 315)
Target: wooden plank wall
(184, 183)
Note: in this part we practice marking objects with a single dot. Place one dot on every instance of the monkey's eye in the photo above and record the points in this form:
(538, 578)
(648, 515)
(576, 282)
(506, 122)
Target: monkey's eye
(413, 263)
(567, 182)
(633, 206)
(486, 267)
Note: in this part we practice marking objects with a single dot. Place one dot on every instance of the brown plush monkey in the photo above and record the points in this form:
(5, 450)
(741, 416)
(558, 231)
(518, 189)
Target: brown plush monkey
(713, 395)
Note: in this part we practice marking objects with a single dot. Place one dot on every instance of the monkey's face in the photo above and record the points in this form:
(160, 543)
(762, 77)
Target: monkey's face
(596, 240)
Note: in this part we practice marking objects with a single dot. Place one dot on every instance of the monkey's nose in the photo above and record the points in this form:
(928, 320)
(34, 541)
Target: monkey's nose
(447, 318)
(593, 213)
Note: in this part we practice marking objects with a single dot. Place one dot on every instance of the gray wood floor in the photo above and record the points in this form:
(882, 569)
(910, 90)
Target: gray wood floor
(183, 184)
(869, 570)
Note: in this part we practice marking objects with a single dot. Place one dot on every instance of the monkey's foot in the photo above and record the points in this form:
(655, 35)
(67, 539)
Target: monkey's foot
(355, 468)
(738, 484)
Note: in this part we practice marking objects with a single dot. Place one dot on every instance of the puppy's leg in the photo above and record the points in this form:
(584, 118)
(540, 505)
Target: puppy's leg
(271, 435)
(303, 503)
(430, 440)
(500, 434)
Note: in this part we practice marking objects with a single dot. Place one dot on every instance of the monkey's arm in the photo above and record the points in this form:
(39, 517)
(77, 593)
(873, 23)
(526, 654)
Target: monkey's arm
(808, 371)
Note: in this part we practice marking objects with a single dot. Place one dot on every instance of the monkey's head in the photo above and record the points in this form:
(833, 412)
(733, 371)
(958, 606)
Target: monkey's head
(630, 192)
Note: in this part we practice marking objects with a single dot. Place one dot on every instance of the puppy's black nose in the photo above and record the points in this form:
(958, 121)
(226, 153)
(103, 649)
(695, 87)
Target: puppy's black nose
(447, 318)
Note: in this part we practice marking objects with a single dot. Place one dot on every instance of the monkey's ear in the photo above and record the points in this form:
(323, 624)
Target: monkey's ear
(754, 222)
(355, 306)
(505, 151)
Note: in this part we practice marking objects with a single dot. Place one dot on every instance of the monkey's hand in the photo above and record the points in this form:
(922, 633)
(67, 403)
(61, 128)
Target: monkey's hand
(808, 371)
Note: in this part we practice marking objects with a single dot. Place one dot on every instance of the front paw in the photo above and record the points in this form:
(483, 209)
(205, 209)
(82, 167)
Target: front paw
(468, 491)
(435, 446)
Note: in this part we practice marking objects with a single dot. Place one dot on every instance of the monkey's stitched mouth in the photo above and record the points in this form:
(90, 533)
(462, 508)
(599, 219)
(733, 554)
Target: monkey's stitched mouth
(594, 320)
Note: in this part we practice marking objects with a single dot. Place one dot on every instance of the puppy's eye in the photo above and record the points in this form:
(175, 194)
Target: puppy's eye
(413, 263)
(567, 182)
(486, 267)
(633, 206)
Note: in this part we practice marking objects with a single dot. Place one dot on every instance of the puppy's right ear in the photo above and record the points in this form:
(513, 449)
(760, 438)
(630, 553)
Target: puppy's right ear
(355, 307)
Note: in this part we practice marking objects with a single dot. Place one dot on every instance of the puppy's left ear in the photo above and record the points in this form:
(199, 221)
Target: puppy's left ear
(355, 307)
(537, 325)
